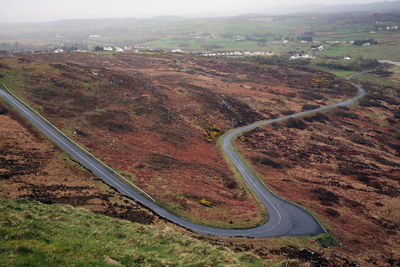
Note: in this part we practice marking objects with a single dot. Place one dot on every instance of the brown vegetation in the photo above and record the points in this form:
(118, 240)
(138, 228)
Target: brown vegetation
(31, 168)
(146, 116)
(344, 165)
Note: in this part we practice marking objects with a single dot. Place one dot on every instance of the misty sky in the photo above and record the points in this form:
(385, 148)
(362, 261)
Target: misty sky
(47, 10)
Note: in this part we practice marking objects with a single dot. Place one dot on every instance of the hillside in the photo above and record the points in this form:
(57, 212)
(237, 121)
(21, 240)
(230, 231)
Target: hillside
(36, 234)
(344, 165)
(31, 168)
(156, 118)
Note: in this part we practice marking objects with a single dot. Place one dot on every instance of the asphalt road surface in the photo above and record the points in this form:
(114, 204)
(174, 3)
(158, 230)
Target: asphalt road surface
(284, 218)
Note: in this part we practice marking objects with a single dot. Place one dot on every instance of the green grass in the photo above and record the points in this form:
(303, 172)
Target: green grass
(376, 79)
(381, 51)
(200, 44)
(339, 73)
(35, 234)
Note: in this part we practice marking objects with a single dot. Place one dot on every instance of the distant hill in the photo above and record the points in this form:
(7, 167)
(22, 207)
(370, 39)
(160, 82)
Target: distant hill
(385, 6)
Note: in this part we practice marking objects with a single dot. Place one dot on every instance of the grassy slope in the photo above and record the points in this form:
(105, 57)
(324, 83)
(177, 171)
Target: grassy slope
(36, 234)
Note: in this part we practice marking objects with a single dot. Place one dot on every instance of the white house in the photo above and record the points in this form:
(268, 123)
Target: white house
(347, 57)
(119, 49)
(108, 48)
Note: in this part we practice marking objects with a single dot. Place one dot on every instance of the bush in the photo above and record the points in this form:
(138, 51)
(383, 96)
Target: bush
(307, 95)
(396, 114)
(369, 103)
(326, 197)
(288, 112)
(331, 212)
(269, 162)
(309, 107)
(342, 113)
(296, 123)
(383, 72)
(327, 240)
(3, 110)
(275, 125)
(317, 117)
(357, 64)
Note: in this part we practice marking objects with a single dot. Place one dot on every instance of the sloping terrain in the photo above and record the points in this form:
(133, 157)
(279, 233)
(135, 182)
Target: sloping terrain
(36, 234)
(345, 166)
(55, 179)
(212, 97)
(32, 168)
(156, 118)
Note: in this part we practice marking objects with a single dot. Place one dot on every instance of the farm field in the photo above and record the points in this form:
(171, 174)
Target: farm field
(281, 35)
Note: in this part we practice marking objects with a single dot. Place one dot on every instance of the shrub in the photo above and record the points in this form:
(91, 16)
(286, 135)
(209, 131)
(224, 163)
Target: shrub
(327, 240)
(317, 117)
(342, 113)
(296, 123)
(383, 72)
(275, 125)
(269, 162)
(311, 95)
(368, 103)
(3, 110)
(331, 212)
(288, 112)
(325, 196)
(309, 107)
(396, 114)
(205, 202)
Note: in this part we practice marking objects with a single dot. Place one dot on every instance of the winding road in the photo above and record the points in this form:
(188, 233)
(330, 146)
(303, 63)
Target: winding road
(284, 218)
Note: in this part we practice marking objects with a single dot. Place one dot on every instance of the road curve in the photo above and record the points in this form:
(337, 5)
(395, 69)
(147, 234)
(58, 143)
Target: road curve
(284, 218)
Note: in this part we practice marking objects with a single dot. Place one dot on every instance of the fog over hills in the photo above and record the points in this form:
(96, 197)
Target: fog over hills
(40, 11)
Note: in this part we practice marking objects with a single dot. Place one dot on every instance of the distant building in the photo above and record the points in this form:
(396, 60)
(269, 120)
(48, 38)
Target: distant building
(94, 36)
(347, 57)
(305, 56)
(240, 38)
(108, 48)
(57, 51)
(119, 49)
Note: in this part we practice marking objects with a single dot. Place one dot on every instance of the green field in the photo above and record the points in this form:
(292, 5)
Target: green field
(248, 32)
